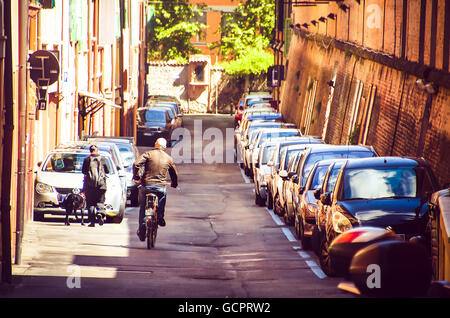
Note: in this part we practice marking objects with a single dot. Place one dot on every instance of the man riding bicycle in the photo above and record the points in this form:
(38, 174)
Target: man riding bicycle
(150, 170)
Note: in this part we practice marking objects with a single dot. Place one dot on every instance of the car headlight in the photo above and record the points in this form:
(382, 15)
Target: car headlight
(44, 188)
(340, 223)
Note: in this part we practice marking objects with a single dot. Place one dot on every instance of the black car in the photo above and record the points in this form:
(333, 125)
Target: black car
(381, 192)
(153, 123)
(305, 214)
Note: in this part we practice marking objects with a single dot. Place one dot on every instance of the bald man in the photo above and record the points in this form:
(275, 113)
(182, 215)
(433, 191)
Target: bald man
(150, 170)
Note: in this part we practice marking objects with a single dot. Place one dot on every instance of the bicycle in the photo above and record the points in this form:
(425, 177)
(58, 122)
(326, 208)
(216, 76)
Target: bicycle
(151, 219)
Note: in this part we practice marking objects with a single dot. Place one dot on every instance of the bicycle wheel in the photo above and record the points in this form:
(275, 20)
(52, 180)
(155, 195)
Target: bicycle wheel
(150, 236)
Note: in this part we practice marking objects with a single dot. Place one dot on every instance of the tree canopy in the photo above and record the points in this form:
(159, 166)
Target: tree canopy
(172, 28)
(245, 37)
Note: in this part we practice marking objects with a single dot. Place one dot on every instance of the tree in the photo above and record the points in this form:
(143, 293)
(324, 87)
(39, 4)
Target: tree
(171, 29)
(245, 38)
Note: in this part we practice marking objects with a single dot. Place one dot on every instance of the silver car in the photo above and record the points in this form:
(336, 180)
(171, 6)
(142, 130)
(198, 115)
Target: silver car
(60, 174)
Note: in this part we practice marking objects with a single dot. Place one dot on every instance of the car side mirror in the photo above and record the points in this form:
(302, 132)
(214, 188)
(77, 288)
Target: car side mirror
(301, 190)
(325, 198)
(317, 194)
(283, 174)
(270, 163)
(39, 164)
(256, 164)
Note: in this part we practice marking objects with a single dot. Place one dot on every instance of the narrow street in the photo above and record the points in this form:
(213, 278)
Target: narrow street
(217, 244)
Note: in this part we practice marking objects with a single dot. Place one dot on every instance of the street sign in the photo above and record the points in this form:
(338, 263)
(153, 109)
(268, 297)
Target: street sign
(44, 68)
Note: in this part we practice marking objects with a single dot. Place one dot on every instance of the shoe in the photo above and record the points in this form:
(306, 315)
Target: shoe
(161, 222)
(91, 225)
(141, 235)
(100, 220)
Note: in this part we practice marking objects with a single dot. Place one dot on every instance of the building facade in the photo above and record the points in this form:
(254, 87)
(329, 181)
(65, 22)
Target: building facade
(373, 72)
(100, 49)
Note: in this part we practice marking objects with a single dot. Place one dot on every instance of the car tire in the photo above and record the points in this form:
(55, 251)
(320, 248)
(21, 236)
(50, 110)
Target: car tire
(277, 208)
(38, 217)
(269, 200)
(306, 241)
(324, 258)
(287, 218)
(315, 240)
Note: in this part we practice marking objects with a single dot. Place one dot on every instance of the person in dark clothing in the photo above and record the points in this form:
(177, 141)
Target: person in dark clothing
(95, 170)
(150, 170)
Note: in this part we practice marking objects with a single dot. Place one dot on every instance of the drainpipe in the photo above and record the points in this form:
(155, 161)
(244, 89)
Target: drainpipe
(8, 129)
(23, 54)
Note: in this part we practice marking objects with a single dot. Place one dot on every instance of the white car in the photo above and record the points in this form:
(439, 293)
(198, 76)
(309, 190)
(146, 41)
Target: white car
(60, 174)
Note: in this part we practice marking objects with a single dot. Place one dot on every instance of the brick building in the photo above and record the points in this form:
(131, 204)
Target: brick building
(375, 72)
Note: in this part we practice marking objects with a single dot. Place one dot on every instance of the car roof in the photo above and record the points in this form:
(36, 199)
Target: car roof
(385, 162)
(157, 109)
(336, 148)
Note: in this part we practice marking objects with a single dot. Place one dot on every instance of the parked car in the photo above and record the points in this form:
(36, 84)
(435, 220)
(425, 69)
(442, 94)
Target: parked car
(263, 135)
(276, 160)
(322, 209)
(167, 98)
(382, 192)
(60, 174)
(153, 123)
(176, 110)
(262, 170)
(108, 147)
(306, 210)
(309, 157)
(253, 126)
(280, 178)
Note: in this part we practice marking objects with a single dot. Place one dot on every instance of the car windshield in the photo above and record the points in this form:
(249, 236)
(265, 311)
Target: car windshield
(318, 177)
(314, 157)
(333, 177)
(267, 154)
(126, 153)
(68, 163)
(378, 183)
(276, 134)
(155, 116)
(290, 153)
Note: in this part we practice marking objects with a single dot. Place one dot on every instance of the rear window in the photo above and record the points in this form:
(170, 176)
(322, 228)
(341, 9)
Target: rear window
(156, 116)
(69, 163)
(314, 157)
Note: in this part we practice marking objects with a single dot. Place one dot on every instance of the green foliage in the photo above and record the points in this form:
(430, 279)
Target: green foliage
(245, 37)
(172, 27)
(254, 62)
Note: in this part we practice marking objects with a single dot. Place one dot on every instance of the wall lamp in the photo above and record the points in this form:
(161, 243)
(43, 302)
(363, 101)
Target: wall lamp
(429, 87)
(343, 7)
(331, 16)
(322, 19)
(359, 1)
(314, 22)
(305, 25)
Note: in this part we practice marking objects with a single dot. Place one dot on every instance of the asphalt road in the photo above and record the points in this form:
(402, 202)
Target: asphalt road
(217, 243)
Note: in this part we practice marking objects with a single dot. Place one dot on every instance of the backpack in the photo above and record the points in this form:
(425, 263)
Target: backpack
(95, 177)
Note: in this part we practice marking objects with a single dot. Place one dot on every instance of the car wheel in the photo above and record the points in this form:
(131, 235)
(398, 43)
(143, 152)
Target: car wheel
(306, 241)
(269, 200)
(38, 217)
(258, 199)
(315, 240)
(278, 209)
(324, 258)
(287, 218)
(134, 198)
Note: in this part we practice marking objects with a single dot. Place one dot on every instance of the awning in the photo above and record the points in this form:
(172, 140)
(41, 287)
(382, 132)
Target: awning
(90, 103)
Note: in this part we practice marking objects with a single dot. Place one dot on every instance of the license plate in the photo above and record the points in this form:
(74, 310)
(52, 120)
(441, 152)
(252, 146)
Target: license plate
(149, 134)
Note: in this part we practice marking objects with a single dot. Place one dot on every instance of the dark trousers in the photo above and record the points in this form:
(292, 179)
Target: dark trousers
(161, 192)
(95, 198)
